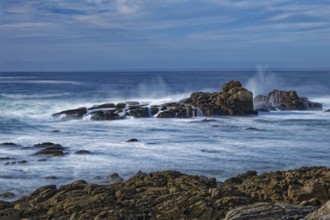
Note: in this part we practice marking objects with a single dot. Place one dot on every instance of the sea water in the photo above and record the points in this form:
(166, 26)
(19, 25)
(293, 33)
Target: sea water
(215, 147)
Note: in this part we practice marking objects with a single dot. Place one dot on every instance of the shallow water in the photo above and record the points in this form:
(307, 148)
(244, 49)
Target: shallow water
(220, 147)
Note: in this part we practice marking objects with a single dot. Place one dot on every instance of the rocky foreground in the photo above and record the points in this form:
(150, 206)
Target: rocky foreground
(295, 194)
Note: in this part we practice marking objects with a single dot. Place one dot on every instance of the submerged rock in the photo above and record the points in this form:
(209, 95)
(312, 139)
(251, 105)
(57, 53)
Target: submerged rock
(133, 140)
(173, 195)
(50, 149)
(9, 144)
(83, 152)
(327, 110)
(284, 100)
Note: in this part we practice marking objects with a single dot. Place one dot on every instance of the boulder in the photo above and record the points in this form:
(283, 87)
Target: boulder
(322, 213)
(284, 100)
(327, 110)
(83, 152)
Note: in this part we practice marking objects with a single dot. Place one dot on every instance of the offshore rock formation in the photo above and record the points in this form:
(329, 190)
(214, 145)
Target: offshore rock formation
(284, 100)
(292, 194)
(232, 100)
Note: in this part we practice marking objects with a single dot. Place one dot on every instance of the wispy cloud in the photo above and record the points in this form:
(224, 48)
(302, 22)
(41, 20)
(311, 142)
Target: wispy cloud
(148, 27)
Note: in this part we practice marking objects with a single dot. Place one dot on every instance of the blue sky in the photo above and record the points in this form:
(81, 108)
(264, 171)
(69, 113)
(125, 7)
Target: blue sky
(163, 34)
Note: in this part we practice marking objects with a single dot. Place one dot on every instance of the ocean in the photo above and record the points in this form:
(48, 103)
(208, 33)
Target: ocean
(218, 147)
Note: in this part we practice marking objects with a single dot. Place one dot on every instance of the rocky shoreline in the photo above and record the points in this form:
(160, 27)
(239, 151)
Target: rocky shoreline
(302, 193)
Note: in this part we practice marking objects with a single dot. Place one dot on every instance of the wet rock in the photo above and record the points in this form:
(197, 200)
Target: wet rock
(322, 213)
(56, 131)
(102, 106)
(254, 129)
(270, 211)
(9, 144)
(7, 195)
(83, 152)
(133, 140)
(49, 145)
(233, 100)
(101, 115)
(284, 100)
(17, 162)
(7, 158)
(51, 152)
(114, 178)
(51, 177)
(327, 110)
(78, 113)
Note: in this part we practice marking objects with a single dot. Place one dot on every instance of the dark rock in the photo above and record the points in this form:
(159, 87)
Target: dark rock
(233, 100)
(254, 129)
(7, 195)
(7, 158)
(49, 145)
(9, 144)
(108, 105)
(17, 162)
(51, 177)
(138, 112)
(51, 152)
(133, 140)
(101, 115)
(327, 110)
(284, 100)
(114, 178)
(78, 113)
(56, 131)
(120, 106)
(83, 152)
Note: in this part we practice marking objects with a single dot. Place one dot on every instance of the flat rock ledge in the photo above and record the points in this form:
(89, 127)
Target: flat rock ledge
(232, 100)
(295, 194)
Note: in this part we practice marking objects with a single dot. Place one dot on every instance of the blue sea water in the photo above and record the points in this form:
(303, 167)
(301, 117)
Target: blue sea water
(219, 147)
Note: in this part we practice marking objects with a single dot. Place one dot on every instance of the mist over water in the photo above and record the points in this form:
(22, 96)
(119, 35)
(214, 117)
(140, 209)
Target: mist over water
(219, 147)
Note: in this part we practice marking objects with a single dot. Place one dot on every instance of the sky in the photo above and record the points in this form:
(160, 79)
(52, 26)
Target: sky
(56, 35)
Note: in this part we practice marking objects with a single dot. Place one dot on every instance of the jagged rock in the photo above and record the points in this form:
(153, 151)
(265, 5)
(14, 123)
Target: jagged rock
(78, 113)
(284, 100)
(233, 100)
(231, 84)
(322, 213)
(269, 211)
(173, 195)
